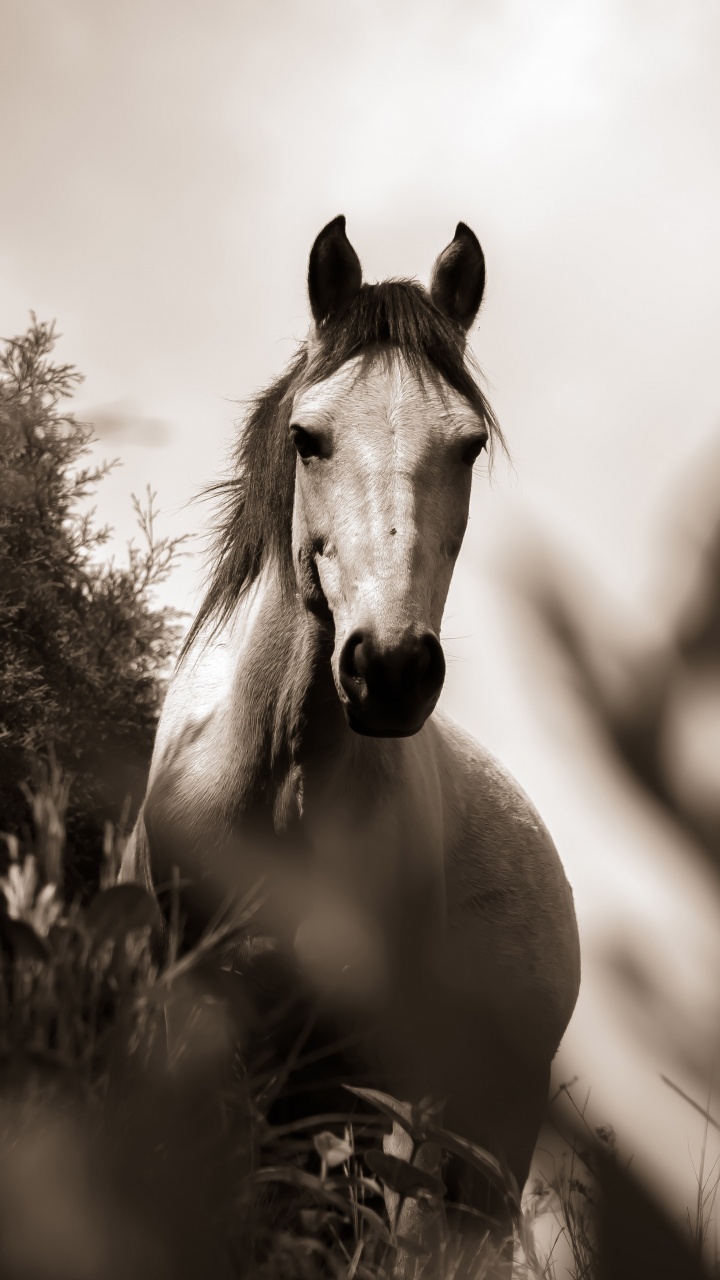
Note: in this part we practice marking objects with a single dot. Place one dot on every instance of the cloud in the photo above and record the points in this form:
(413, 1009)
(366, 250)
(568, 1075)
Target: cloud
(123, 420)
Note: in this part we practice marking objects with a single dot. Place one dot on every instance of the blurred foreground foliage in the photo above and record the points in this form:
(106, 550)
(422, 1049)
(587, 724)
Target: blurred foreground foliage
(646, 684)
(82, 647)
(135, 1128)
(137, 1132)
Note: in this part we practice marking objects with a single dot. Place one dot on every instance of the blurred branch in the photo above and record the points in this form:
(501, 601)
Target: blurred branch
(638, 692)
(703, 1111)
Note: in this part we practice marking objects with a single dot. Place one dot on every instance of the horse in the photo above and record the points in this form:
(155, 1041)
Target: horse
(300, 737)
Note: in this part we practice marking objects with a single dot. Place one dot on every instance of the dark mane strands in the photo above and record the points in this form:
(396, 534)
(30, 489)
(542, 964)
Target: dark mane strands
(257, 500)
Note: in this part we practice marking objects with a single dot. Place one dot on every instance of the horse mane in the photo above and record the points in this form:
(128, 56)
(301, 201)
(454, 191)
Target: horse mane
(256, 501)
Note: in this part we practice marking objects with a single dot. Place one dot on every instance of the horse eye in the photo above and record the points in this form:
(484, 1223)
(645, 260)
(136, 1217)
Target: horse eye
(307, 445)
(472, 451)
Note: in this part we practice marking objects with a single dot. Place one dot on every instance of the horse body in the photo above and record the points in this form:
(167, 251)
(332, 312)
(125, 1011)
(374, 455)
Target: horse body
(299, 740)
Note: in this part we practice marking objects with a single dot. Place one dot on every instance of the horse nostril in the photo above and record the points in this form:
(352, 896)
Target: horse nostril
(354, 663)
(431, 662)
(410, 673)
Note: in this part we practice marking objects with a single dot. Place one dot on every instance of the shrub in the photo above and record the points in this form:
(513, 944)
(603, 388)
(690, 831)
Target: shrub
(82, 647)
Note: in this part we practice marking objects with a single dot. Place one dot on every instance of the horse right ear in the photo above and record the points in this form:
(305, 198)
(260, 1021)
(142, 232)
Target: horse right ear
(334, 273)
(458, 278)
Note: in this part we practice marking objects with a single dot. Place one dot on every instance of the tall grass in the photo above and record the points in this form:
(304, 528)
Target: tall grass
(128, 1110)
(135, 1128)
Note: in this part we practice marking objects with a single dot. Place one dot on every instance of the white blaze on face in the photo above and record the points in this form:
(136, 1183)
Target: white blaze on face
(383, 506)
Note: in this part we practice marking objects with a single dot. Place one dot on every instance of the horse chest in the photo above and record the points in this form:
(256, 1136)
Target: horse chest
(375, 831)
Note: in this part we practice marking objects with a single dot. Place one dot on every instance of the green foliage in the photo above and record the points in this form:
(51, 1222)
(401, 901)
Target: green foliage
(82, 648)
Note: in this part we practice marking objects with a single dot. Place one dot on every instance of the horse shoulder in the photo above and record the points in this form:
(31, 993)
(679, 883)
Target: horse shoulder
(194, 712)
(504, 877)
(200, 748)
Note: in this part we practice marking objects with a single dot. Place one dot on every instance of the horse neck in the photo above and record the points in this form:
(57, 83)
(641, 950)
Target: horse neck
(314, 782)
(285, 716)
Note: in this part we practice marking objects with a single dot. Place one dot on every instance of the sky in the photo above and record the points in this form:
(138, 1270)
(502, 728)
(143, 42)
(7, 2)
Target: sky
(165, 168)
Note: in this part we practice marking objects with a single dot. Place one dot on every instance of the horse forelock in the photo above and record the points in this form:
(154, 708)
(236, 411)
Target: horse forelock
(256, 501)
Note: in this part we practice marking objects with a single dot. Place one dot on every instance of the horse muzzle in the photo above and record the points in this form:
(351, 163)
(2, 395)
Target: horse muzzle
(388, 691)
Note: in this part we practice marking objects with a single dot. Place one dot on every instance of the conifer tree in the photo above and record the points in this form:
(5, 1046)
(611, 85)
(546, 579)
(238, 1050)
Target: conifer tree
(83, 649)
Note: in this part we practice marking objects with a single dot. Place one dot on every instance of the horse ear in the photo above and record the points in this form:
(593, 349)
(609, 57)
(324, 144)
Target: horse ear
(458, 277)
(334, 273)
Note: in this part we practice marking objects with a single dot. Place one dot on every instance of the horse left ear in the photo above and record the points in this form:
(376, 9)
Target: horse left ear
(458, 277)
(334, 273)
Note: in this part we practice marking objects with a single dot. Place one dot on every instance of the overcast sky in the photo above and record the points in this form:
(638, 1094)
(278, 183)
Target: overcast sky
(165, 167)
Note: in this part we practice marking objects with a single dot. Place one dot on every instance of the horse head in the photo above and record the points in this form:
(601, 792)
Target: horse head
(386, 423)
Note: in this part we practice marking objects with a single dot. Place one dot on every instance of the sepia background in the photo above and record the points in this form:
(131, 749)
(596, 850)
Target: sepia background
(165, 169)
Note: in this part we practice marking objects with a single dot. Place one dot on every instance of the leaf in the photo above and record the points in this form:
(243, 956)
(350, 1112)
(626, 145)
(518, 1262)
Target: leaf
(360, 1182)
(390, 1107)
(13, 845)
(406, 1179)
(375, 1222)
(118, 911)
(332, 1150)
(479, 1158)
